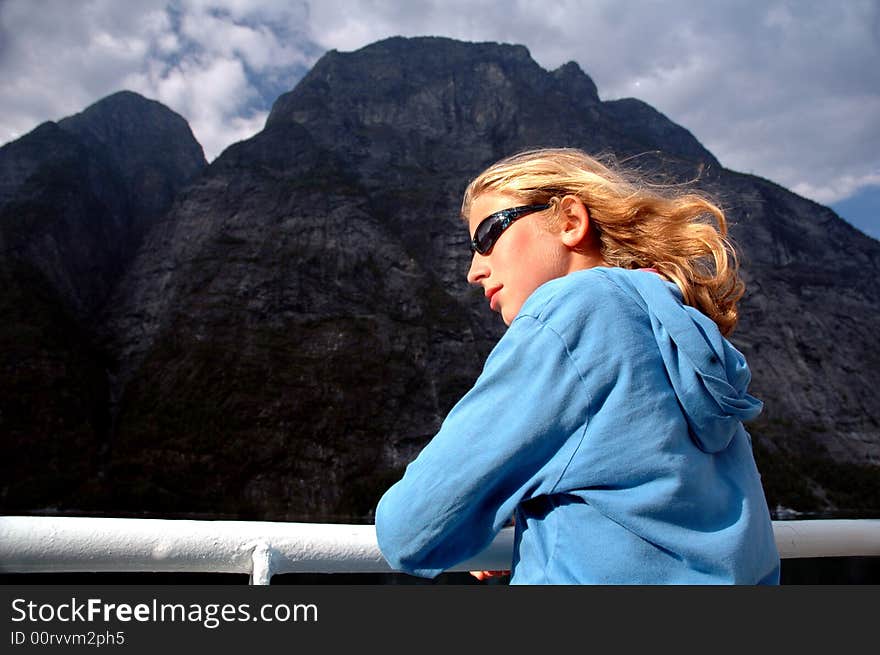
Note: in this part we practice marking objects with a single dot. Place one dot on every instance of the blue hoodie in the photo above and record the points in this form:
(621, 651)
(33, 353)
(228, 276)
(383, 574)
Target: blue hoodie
(608, 421)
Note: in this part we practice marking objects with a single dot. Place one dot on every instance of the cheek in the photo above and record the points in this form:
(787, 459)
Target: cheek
(540, 272)
(540, 263)
(525, 269)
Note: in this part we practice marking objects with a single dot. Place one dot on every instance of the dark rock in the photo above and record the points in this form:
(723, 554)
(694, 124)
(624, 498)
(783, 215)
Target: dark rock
(76, 197)
(75, 200)
(150, 148)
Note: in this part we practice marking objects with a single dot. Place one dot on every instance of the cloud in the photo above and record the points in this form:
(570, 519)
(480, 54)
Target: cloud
(220, 64)
(841, 187)
(54, 62)
(210, 93)
(256, 44)
(788, 91)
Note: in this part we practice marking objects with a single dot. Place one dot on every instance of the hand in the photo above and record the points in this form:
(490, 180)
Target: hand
(484, 575)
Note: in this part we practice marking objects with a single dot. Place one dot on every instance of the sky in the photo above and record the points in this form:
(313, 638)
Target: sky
(785, 89)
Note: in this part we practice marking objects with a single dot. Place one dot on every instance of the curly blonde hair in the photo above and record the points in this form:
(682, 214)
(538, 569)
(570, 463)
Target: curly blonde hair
(670, 228)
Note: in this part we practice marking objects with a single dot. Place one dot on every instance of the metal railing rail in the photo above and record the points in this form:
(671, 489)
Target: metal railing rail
(261, 549)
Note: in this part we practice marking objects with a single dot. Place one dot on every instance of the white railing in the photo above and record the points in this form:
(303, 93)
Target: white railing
(261, 549)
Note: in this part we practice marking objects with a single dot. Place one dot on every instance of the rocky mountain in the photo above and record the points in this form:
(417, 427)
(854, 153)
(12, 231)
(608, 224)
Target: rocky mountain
(295, 322)
(76, 198)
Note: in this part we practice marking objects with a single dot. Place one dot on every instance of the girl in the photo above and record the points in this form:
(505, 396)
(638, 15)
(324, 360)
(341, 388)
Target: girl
(608, 420)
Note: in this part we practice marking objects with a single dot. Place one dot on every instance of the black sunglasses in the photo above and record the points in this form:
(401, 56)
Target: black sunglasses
(491, 227)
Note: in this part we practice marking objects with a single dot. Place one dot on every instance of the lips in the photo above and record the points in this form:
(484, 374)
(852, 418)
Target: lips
(490, 296)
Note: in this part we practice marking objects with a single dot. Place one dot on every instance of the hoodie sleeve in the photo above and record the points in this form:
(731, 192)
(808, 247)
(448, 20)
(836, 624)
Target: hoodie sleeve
(509, 438)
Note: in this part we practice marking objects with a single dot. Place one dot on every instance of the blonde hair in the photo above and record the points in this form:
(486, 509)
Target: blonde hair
(670, 228)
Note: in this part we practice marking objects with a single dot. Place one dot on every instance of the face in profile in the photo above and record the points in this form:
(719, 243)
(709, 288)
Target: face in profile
(525, 255)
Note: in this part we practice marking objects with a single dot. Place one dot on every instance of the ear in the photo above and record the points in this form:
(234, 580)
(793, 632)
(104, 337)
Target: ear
(574, 221)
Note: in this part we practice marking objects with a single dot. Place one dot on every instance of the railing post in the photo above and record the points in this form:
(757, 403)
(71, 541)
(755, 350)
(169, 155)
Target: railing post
(263, 566)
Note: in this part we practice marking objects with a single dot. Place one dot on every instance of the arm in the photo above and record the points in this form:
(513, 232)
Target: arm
(509, 438)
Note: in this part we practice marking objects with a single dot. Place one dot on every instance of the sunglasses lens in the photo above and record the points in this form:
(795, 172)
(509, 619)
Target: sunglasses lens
(487, 233)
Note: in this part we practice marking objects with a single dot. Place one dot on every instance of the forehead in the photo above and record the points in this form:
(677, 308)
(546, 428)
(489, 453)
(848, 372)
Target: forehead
(489, 203)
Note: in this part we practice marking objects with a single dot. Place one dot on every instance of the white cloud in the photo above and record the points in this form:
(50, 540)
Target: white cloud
(838, 188)
(210, 93)
(256, 45)
(55, 61)
(207, 60)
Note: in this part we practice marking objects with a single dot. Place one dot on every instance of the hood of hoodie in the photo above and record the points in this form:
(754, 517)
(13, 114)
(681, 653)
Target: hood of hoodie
(709, 375)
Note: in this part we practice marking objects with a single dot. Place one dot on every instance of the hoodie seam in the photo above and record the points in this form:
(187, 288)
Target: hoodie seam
(590, 404)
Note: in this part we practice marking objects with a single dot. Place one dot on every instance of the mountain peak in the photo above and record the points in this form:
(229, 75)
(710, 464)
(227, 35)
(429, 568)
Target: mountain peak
(127, 99)
(494, 98)
(93, 183)
(135, 129)
(122, 110)
(400, 66)
(572, 74)
(446, 46)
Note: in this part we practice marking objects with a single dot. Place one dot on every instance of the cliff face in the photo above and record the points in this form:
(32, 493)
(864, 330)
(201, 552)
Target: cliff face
(75, 200)
(296, 323)
(150, 149)
(77, 196)
(809, 326)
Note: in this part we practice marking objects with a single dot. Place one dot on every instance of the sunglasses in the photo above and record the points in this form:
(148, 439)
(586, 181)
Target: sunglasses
(492, 227)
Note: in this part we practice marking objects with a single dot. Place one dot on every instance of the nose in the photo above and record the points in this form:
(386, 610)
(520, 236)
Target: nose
(479, 269)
